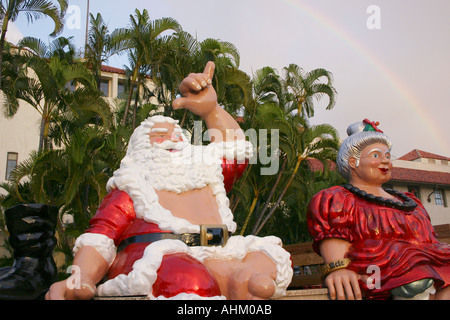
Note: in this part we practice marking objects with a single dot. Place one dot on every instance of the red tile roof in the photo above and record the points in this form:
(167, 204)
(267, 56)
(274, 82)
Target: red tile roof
(317, 165)
(420, 176)
(112, 69)
(417, 154)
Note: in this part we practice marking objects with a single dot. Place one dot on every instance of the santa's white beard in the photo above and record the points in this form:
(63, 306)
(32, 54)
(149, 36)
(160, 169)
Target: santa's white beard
(179, 170)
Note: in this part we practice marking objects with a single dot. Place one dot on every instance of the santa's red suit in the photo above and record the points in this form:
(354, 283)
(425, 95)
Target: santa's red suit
(169, 268)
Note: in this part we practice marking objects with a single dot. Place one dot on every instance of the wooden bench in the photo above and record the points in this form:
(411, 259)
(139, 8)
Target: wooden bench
(443, 231)
(306, 283)
(307, 266)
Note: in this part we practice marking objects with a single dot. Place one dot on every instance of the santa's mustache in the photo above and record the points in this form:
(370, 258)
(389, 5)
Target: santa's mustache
(170, 145)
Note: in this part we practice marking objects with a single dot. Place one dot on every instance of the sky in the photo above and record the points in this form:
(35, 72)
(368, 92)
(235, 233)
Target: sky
(390, 58)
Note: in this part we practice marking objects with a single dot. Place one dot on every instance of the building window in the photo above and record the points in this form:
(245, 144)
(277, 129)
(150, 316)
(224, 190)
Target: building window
(11, 163)
(415, 190)
(104, 87)
(439, 197)
(121, 89)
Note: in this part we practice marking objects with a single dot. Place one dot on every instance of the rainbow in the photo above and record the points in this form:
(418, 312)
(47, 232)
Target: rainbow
(392, 79)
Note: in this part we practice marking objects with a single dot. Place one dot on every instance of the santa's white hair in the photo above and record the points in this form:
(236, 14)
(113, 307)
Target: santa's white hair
(140, 139)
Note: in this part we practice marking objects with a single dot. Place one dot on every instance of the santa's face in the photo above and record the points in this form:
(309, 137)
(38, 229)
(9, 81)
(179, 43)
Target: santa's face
(171, 164)
(160, 156)
(166, 136)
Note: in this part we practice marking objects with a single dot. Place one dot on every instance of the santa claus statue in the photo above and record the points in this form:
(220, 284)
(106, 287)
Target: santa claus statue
(164, 229)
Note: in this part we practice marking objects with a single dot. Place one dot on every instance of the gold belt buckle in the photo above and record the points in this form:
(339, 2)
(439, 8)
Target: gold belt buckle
(213, 235)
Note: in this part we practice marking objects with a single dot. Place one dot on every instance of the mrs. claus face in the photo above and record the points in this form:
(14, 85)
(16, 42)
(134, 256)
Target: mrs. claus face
(374, 166)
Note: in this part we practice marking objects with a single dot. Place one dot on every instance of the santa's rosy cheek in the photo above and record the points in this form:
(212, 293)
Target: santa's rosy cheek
(159, 140)
(176, 137)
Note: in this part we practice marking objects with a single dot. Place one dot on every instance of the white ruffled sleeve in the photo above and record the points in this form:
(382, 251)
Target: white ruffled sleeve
(239, 150)
(103, 244)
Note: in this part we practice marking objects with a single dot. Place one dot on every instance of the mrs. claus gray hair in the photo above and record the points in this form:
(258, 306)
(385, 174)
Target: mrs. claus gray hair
(357, 140)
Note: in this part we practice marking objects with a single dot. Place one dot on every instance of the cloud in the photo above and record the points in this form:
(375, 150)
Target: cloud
(13, 35)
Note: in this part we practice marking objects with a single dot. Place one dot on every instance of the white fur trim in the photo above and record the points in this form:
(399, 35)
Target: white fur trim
(230, 150)
(104, 245)
(140, 280)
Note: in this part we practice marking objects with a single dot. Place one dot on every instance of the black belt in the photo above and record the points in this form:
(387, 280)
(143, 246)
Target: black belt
(210, 235)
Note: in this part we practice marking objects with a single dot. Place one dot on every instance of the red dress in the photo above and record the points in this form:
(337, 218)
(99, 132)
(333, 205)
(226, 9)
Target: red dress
(402, 244)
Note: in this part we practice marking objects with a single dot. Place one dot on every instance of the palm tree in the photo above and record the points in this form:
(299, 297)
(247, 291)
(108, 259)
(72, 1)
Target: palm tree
(143, 40)
(72, 177)
(185, 55)
(271, 108)
(33, 9)
(61, 47)
(13, 70)
(296, 144)
(47, 88)
(289, 220)
(319, 142)
(171, 68)
(305, 86)
(99, 45)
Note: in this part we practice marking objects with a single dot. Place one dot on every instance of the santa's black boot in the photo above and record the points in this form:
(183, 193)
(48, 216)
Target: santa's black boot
(32, 237)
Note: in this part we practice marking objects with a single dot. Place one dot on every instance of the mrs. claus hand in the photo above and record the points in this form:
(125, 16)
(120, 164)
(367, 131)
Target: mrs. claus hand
(343, 284)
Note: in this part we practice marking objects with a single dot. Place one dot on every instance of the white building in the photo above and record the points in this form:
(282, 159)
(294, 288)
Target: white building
(20, 134)
(427, 175)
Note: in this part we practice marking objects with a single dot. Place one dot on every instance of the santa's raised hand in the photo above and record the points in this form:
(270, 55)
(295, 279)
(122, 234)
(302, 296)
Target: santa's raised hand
(198, 94)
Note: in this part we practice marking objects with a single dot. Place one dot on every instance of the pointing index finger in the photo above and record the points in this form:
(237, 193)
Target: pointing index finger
(209, 69)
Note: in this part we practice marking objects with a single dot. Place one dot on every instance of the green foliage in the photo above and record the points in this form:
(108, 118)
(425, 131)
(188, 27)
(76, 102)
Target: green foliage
(277, 104)
(33, 10)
